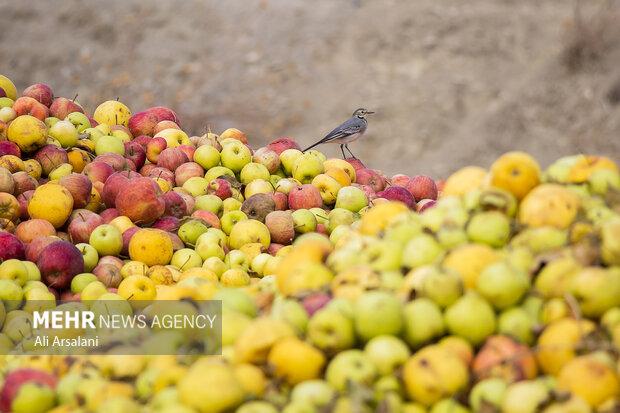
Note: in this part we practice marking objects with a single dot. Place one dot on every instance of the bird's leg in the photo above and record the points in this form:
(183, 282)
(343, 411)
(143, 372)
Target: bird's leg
(347, 146)
(342, 150)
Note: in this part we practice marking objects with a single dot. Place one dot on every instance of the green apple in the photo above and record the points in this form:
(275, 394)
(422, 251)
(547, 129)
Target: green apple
(207, 156)
(237, 300)
(60, 171)
(258, 186)
(331, 330)
(92, 291)
(320, 215)
(350, 366)
(421, 250)
(208, 245)
(471, 317)
(7, 114)
(304, 220)
(287, 159)
(67, 387)
(11, 293)
(291, 312)
(220, 234)
(443, 287)
(79, 120)
(211, 203)
(191, 229)
(488, 392)
(216, 265)
(185, 259)
(252, 171)
(377, 313)
(109, 144)
(80, 281)
(90, 255)
(285, 185)
(306, 167)
(93, 134)
(387, 353)
(231, 204)
(19, 326)
(338, 232)
(237, 259)
(384, 255)
(32, 285)
(106, 239)
(259, 262)
(229, 219)
(235, 156)
(196, 186)
(423, 322)
(33, 397)
(502, 285)
(14, 270)
(491, 227)
(6, 102)
(218, 171)
(516, 322)
(339, 216)
(351, 198)
(313, 393)
(33, 271)
(318, 154)
(603, 179)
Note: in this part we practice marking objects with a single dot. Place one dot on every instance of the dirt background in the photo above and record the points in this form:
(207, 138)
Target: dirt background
(453, 82)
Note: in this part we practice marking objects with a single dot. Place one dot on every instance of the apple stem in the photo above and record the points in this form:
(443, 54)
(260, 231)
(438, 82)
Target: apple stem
(186, 261)
(116, 116)
(75, 97)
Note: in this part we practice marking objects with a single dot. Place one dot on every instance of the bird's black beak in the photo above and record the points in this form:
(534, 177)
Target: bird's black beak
(369, 112)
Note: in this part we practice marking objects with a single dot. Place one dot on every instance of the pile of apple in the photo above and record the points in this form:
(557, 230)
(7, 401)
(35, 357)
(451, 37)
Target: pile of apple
(343, 289)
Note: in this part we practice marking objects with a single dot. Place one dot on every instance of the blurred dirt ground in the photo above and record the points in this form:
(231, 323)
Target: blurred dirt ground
(453, 82)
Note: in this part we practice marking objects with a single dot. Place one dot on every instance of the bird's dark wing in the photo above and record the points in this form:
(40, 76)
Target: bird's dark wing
(350, 127)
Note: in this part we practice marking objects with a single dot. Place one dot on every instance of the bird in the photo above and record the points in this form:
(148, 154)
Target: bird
(347, 132)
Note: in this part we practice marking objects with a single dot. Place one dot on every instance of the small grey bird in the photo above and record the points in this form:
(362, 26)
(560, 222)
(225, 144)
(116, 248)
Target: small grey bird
(349, 131)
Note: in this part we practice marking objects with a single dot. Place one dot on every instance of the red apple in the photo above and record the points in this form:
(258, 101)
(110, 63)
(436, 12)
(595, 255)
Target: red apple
(121, 131)
(80, 188)
(59, 262)
(171, 158)
(208, 216)
(34, 248)
(98, 171)
(143, 140)
(356, 163)
(109, 214)
(108, 274)
(189, 200)
(67, 295)
(154, 148)
(12, 247)
(141, 201)
(274, 247)
(425, 204)
(177, 244)
(9, 148)
(16, 379)
(175, 205)
(398, 193)
(114, 184)
(127, 234)
(82, 226)
(41, 93)
(163, 173)
(110, 259)
(268, 158)
(365, 176)
(23, 200)
(61, 107)
(282, 144)
(305, 196)
(220, 188)
(163, 125)
(188, 150)
(51, 156)
(211, 140)
(146, 169)
(164, 113)
(440, 185)
(280, 199)
(422, 187)
(315, 302)
(28, 230)
(28, 106)
(22, 182)
(115, 160)
(142, 123)
(166, 223)
(399, 180)
(281, 226)
(186, 171)
(320, 229)
(135, 153)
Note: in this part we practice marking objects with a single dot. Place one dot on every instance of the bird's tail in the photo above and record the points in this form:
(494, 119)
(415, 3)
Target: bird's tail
(312, 146)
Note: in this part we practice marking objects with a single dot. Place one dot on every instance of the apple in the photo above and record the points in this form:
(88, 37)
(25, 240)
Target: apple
(355, 163)
(351, 198)
(253, 171)
(387, 353)
(59, 262)
(306, 167)
(217, 172)
(106, 239)
(235, 156)
(171, 158)
(350, 366)
(83, 225)
(28, 230)
(304, 221)
(220, 188)
(80, 188)
(163, 173)
(304, 196)
(187, 170)
(175, 205)
(377, 313)
(7, 183)
(79, 120)
(28, 106)
(141, 201)
(60, 171)
(109, 214)
(92, 291)
(268, 158)
(280, 200)
(89, 254)
(127, 234)
(398, 193)
(41, 93)
(114, 185)
(98, 171)
(287, 160)
(282, 144)
(189, 151)
(285, 185)
(136, 153)
(163, 125)
(281, 226)
(426, 204)
(51, 156)
(137, 287)
(80, 281)
(28, 390)
(211, 203)
(14, 270)
(229, 219)
(108, 274)
(9, 207)
(23, 183)
(7, 114)
(166, 223)
(109, 144)
(328, 187)
(143, 140)
(9, 148)
(62, 107)
(209, 217)
(143, 123)
(207, 156)
(164, 113)
(371, 178)
(422, 187)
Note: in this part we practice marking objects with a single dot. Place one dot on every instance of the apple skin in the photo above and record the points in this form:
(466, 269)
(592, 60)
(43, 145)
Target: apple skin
(109, 214)
(23, 200)
(12, 247)
(34, 248)
(143, 123)
(315, 302)
(26, 105)
(164, 113)
(189, 200)
(109, 275)
(399, 180)
(62, 107)
(166, 223)
(282, 144)
(141, 201)
(281, 227)
(135, 153)
(51, 156)
(23, 182)
(371, 178)
(147, 168)
(175, 205)
(172, 158)
(10, 148)
(7, 183)
(42, 93)
(220, 188)
(14, 380)
(28, 230)
(98, 171)
(305, 196)
(163, 173)
(280, 199)
(80, 188)
(83, 225)
(154, 148)
(117, 161)
(422, 187)
(398, 193)
(368, 191)
(59, 262)
(143, 140)
(114, 185)
(187, 170)
(208, 216)
(188, 150)
(268, 158)
(355, 163)
(274, 247)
